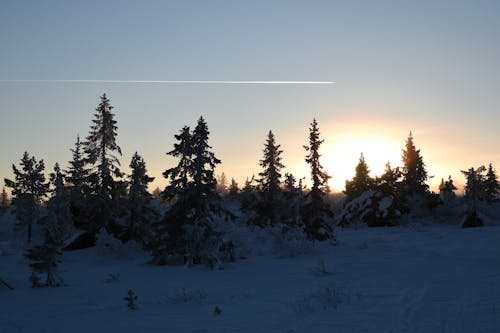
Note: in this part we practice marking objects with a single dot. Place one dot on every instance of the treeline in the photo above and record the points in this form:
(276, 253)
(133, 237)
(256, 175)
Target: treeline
(93, 195)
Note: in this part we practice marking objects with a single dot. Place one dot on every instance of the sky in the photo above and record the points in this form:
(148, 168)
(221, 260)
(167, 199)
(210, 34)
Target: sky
(430, 67)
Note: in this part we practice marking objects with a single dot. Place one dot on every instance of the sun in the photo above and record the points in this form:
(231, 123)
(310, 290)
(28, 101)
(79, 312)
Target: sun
(342, 157)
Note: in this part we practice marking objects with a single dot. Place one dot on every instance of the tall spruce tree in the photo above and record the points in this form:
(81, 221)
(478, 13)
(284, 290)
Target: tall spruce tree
(269, 205)
(491, 185)
(141, 213)
(361, 181)
(474, 192)
(28, 190)
(316, 212)
(100, 150)
(58, 208)
(414, 171)
(187, 228)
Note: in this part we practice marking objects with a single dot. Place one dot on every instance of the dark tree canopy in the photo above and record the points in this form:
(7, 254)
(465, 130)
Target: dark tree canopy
(414, 170)
(361, 181)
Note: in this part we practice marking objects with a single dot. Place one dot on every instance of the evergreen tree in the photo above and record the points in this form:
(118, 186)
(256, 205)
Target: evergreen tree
(316, 212)
(474, 191)
(59, 217)
(188, 228)
(389, 182)
(446, 189)
(233, 188)
(4, 200)
(100, 148)
(28, 190)
(491, 185)
(76, 178)
(222, 184)
(361, 181)
(268, 207)
(414, 171)
(141, 213)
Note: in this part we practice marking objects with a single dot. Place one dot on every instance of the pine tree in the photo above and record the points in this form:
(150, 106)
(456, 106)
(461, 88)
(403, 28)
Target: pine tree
(414, 171)
(141, 213)
(491, 185)
(28, 190)
(187, 228)
(100, 148)
(361, 181)
(76, 177)
(316, 212)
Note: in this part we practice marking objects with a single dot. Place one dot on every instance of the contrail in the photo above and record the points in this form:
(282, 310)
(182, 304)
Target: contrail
(167, 81)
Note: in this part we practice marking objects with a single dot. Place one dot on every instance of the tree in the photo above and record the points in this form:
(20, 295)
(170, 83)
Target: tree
(414, 171)
(316, 212)
(361, 181)
(141, 213)
(4, 200)
(233, 188)
(268, 206)
(389, 182)
(491, 185)
(222, 184)
(474, 190)
(100, 150)
(76, 178)
(28, 190)
(446, 189)
(188, 228)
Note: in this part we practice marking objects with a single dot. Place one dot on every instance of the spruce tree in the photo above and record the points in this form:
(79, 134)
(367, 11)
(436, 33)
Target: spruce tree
(414, 171)
(316, 212)
(100, 150)
(361, 181)
(187, 228)
(389, 182)
(28, 190)
(491, 185)
(76, 178)
(141, 213)
(269, 205)
(474, 191)
(447, 189)
(4, 200)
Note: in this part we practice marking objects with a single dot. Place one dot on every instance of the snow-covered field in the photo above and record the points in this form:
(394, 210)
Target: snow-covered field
(420, 278)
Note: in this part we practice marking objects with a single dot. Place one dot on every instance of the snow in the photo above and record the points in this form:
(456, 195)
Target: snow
(423, 277)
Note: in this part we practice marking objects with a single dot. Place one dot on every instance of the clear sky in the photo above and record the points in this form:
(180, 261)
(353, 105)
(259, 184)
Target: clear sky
(432, 67)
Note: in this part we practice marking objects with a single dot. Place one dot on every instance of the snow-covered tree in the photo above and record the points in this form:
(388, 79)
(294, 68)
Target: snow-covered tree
(414, 170)
(141, 213)
(361, 181)
(491, 185)
(28, 190)
(389, 183)
(316, 212)
(188, 227)
(101, 149)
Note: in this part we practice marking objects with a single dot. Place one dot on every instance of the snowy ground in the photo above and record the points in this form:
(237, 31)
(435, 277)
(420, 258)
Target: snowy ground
(426, 278)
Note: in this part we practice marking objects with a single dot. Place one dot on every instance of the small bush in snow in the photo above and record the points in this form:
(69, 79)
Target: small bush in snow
(131, 300)
(290, 242)
(182, 296)
(321, 269)
(325, 298)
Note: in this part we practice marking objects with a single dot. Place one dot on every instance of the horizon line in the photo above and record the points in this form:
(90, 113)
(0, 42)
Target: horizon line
(169, 81)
